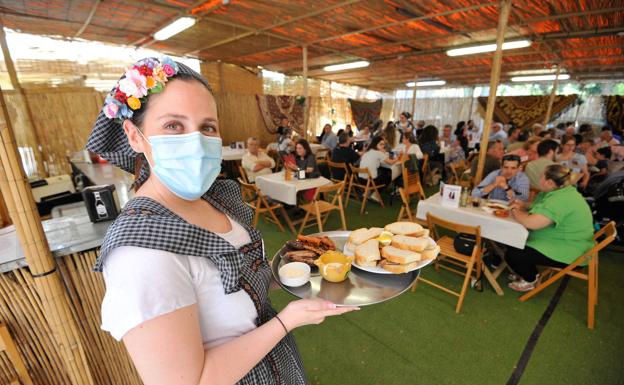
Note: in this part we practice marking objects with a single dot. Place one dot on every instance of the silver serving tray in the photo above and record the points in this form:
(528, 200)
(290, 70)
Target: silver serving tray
(361, 288)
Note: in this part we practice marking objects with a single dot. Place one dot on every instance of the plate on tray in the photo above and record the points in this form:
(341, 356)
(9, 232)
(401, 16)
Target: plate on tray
(379, 270)
(361, 287)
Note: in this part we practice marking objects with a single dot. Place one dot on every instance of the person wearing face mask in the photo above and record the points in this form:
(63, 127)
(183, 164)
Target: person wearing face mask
(183, 267)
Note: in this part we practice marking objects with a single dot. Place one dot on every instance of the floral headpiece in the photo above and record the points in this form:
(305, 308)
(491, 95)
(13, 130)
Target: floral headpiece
(147, 76)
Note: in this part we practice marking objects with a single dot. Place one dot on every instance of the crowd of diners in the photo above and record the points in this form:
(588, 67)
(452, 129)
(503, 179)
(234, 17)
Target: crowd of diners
(543, 173)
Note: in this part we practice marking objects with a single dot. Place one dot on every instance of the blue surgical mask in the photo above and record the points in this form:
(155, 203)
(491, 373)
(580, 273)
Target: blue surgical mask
(187, 164)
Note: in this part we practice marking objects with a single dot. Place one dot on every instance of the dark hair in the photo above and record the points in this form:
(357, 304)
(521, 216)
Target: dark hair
(325, 126)
(578, 138)
(340, 131)
(585, 127)
(410, 137)
(373, 144)
(561, 126)
(429, 134)
(559, 174)
(348, 126)
(306, 146)
(139, 115)
(511, 130)
(461, 124)
(492, 143)
(543, 134)
(566, 138)
(546, 146)
(376, 125)
(605, 151)
(406, 114)
(343, 138)
(524, 136)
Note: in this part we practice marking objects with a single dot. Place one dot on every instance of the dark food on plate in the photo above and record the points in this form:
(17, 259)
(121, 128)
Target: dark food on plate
(501, 213)
(307, 249)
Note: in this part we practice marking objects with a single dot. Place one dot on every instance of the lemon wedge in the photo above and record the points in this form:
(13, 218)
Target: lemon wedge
(385, 238)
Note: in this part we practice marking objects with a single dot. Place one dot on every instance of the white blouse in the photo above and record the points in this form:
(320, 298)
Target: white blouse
(143, 283)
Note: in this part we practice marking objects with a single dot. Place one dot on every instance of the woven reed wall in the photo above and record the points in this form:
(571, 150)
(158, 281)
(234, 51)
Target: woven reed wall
(239, 118)
(62, 120)
(21, 310)
(230, 78)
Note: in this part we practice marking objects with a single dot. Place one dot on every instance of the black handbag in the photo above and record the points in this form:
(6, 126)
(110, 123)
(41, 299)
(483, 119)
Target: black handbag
(464, 243)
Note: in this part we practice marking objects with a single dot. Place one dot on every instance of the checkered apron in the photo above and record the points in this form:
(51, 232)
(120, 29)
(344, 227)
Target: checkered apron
(145, 223)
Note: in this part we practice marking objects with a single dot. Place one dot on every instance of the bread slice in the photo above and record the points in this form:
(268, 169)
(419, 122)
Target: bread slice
(431, 252)
(410, 243)
(364, 263)
(397, 268)
(368, 251)
(396, 255)
(362, 235)
(405, 228)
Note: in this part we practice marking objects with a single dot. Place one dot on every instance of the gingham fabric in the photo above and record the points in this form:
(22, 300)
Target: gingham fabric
(146, 223)
(109, 141)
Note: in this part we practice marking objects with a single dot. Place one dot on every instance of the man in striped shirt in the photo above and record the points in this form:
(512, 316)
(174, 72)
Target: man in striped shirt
(506, 184)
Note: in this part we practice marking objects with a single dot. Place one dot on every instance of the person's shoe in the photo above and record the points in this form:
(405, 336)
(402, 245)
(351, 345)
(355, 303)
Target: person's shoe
(513, 277)
(374, 197)
(522, 285)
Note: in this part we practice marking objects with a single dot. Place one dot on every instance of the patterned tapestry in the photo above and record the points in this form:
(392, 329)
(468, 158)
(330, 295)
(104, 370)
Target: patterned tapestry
(273, 107)
(614, 109)
(524, 111)
(365, 113)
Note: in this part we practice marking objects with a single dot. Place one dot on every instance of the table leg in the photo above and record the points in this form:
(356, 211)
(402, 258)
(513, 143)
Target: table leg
(288, 221)
(492, 280)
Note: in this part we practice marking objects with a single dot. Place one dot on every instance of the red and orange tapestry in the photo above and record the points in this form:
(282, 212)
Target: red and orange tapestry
(614, 111)
(524, 111)
(365, 113)
(273, 107)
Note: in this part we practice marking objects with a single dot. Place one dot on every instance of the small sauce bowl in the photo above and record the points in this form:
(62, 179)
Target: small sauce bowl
(294, 274)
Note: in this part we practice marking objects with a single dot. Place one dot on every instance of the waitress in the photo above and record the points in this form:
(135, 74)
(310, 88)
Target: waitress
(186, 275)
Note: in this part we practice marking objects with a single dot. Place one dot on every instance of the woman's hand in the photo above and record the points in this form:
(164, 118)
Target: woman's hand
(310, 311)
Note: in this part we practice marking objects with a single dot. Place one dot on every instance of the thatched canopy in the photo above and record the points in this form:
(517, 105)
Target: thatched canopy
(402, 39)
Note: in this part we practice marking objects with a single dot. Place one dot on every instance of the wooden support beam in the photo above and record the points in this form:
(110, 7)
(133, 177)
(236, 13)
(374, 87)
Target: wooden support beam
(553, 93)
(88, 21)
(276, 25)
(40, 152)
(306, 104)
(505, 8)
(50, 289)
(414, 97)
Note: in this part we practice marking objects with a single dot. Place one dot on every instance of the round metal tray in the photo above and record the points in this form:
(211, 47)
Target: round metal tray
(359, 289)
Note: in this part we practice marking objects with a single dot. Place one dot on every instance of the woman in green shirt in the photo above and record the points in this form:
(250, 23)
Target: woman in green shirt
(560, 228)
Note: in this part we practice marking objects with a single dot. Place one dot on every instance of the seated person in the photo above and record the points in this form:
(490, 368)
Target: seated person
(409, 146)
(372, 159)
(455, 153)
(495, 151)
(343, 154)
(547, 150)
(507, 184)
(573, 160)
(328, 138)
(560, 228)
(256, 162)
(528, 151)
(603, 155)
(304, 159)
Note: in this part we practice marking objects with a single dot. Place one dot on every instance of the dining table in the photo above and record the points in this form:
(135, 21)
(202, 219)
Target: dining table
(276, 187)
(504, 230)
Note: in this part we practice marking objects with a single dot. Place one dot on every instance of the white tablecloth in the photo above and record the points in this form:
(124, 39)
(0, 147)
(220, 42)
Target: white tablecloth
(503, 230)
(274, 186)
(233, 153)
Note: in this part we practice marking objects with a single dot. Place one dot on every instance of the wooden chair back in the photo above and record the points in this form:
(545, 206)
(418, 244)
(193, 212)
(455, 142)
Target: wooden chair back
(243, 174)
(320, 207)
(369, 186)
(411, 182)
(435, 222)
(602, 238)
(333, 166)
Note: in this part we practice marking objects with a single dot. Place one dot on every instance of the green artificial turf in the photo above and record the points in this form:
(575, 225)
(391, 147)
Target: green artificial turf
(418, 338)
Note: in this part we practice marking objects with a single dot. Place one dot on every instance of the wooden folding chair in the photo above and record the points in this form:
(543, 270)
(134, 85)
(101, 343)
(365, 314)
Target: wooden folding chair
(243, 174)
(602, 239)
(456, 170)
(370, 186)
(322, 155)
(8, 345)
(411, 186)
(254, 198)
(451, 257)
(337, 168)
(321, 209)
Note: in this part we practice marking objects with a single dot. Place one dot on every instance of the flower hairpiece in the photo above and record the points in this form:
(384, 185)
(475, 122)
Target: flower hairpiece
(147, 76)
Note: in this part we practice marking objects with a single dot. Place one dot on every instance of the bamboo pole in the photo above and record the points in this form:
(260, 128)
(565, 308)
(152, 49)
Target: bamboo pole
(553, 93)
(306, 104)
(414, 98)
(505, 8)
(40, 154)
(472, 98)
(23, 212)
